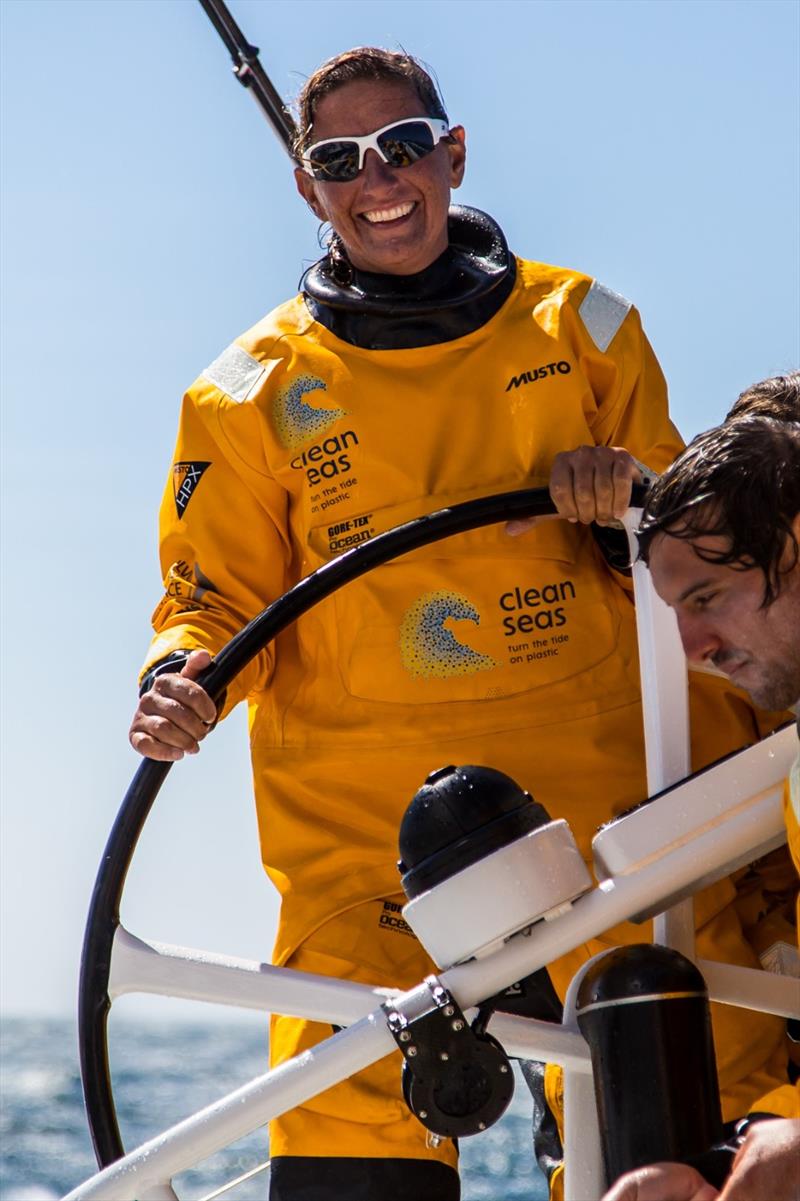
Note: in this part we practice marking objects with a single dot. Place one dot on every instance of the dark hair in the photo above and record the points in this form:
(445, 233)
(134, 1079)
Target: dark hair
(363, 62)
(778, 397)
(739, 481)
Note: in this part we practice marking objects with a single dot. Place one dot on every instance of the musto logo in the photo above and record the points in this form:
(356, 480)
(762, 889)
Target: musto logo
(185, 478)
(531, 377)
(428, 648)
(297, 422)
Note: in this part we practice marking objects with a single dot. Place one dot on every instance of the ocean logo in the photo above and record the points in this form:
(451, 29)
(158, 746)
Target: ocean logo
(430, 650)
(297, 422)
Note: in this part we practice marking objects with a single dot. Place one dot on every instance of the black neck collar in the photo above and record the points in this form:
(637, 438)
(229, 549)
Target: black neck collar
(457, 294)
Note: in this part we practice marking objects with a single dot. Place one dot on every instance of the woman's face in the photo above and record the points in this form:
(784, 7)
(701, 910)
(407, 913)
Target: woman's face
(392, 220)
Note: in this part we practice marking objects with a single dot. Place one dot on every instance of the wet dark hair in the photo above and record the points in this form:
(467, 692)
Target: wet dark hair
(739, 481)
(778, 397)
(360, 63)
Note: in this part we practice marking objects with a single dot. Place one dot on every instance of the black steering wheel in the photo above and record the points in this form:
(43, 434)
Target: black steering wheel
(103, 919)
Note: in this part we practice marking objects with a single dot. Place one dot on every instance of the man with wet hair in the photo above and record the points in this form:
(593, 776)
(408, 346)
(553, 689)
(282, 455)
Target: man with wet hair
(778, 397)
(721, 535)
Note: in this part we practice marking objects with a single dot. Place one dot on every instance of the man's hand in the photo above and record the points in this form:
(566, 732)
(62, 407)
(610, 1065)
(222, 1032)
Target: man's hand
(765, 1168)
(175, 715)
(662, 1182)
(767, 1165)
(592, 483)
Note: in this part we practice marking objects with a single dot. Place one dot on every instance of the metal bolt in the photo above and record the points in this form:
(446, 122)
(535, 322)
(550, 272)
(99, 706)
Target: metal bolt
(503, 1068)
(457, 1025)
(449, 1010)
(404, 1036)
(481, 1125)
(411, 1052)
(443, 1055)
(423, 1113)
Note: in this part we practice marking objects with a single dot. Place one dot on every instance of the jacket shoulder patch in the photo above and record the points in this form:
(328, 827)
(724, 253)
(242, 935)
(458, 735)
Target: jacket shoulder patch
(235, 372)
(603, 312)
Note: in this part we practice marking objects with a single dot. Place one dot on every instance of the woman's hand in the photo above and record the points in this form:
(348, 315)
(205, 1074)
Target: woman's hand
(174, 717)
(592, 483)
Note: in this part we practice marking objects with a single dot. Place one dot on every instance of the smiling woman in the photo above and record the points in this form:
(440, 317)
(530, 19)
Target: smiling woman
(379, 394)
(387, 221)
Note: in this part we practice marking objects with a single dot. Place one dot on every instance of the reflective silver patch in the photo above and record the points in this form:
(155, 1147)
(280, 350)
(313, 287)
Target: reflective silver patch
(602, 312)
(781, 958)
(235, 373)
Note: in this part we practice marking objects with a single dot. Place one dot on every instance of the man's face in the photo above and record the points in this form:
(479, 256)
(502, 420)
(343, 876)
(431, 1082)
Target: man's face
(391, 220)
(722, 622)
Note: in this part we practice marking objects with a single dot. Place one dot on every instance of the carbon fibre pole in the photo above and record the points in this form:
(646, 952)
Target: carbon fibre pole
(248, 70)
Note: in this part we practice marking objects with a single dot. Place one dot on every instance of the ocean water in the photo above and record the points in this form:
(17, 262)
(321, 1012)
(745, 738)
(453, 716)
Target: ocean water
(163, 1072)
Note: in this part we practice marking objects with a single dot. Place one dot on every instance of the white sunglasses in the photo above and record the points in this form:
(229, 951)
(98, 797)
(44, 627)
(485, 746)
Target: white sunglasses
(400, 144)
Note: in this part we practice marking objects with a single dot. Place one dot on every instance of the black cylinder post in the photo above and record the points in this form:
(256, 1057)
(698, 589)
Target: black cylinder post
(644, 1012)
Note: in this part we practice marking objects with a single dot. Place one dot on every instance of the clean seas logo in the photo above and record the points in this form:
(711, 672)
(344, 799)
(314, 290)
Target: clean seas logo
(327, 459)
(428, 648)
(185, 478)
(296, 421)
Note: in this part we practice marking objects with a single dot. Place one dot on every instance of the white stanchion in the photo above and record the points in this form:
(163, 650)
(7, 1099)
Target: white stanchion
(584, 1170)
(138, 966)
(163, 1191)
(752, 988)
(665, 711)
(662, 665)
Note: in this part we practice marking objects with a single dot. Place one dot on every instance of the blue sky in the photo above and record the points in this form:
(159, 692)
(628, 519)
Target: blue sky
(149, 216)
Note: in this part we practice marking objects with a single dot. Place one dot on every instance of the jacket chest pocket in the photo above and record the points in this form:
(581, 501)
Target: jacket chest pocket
(480, 616)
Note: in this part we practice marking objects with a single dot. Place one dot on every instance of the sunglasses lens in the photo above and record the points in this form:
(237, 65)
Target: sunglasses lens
(336, 161)
(407, 143)
(401, 145)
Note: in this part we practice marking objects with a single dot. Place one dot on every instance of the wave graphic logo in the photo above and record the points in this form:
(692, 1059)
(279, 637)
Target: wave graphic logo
(296, 421)
(428, 649)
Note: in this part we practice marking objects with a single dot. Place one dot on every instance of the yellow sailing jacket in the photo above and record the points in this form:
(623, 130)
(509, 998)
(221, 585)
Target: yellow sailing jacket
(785, 1101)
(791, 812)
(514, 652)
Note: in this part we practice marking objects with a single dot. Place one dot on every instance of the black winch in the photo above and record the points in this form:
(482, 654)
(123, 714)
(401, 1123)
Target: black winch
(457, 1079)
